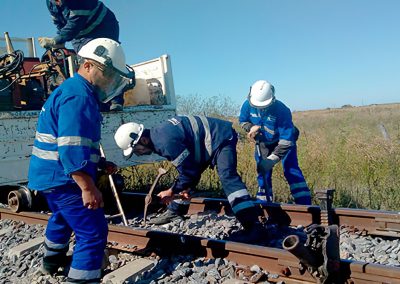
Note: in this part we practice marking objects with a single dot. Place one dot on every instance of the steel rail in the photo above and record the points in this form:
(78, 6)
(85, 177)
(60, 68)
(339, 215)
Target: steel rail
(373, 222)
(275, 261)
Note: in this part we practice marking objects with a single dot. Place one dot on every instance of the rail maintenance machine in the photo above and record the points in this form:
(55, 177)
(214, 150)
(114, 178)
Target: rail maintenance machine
(27, 81)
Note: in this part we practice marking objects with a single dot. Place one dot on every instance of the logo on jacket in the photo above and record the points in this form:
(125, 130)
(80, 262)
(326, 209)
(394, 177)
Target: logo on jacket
(174, 121)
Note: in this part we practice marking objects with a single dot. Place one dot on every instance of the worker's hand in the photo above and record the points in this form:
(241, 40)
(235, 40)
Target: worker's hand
(184, 195)
(253, 132)
(267, 164)
(166, 196)
(49, 42)
(110, 168)
(92, 198)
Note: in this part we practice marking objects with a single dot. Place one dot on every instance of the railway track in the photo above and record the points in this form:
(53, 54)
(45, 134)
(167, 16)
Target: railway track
(278, 262)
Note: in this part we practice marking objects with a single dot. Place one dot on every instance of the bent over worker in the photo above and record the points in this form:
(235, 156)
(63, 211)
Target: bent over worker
(81, 22)
(269, 122)
(193, 143)
(65, 158)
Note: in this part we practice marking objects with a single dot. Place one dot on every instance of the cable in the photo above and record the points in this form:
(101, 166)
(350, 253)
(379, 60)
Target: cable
(9, 85)
(15, 64)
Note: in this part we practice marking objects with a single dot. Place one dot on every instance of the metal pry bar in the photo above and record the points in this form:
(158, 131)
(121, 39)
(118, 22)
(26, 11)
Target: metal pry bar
(114, 190)
(149, 198)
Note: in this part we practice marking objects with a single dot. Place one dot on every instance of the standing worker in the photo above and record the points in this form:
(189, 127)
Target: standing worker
(65, 158)
(81, 22)
(193, 143)
(268, 122)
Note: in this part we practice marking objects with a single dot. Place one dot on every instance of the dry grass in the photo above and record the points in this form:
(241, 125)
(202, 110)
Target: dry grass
(344, 149)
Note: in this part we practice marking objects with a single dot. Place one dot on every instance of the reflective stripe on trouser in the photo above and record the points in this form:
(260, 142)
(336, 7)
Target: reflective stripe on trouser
(294, 176)
(89, 226)
(235, 190)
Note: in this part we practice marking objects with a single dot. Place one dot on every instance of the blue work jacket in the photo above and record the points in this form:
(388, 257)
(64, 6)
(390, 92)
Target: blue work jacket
(277, 130)
(191, 144)
(67, 136)
(82, 19)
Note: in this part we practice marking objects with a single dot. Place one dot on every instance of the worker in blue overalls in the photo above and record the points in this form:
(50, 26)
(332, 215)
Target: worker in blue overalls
(193, 143)
(65, 157)
(269, 123)
(81, 22)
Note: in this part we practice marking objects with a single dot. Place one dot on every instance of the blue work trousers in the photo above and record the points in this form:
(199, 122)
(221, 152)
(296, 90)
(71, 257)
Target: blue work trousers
(90, 228)
(293, 174)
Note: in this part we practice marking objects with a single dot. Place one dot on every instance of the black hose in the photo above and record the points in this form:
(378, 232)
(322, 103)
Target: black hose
(14, 65)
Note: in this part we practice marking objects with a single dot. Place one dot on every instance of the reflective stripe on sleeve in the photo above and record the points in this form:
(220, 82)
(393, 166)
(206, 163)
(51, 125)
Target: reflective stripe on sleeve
(285, 142)
(89, 13)
(45, 138)
(195, 127)
(207, 138)
(54, 156)
(182, 156)
(95, 23)
(182, 202)
(77, 141)
(46, 155)
(270, 131)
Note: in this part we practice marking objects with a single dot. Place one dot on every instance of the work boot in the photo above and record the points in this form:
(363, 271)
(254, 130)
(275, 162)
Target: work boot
(79, 281)
(166, 217)
(52, 264)
(257, 234)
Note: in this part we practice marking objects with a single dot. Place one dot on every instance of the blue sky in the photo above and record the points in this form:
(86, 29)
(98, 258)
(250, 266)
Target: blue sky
(318, 54)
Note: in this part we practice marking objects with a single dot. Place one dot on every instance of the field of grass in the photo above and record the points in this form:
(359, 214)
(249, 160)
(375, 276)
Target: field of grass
(354, 150)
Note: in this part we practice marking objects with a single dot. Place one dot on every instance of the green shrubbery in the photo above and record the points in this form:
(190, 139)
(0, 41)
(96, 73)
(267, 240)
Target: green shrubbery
(344, 149)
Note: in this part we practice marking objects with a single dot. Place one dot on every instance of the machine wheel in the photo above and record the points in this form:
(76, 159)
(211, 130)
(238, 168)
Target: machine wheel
(20, 199)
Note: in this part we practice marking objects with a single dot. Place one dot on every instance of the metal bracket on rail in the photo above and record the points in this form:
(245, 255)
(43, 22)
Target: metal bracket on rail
(320, 253)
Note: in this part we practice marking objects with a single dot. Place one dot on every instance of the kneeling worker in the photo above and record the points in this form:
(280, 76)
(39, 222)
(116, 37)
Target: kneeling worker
(193, 143)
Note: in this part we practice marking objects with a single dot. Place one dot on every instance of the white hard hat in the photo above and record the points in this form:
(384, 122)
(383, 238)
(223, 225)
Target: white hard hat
(109, 53)
(127, 136)
(262, 94)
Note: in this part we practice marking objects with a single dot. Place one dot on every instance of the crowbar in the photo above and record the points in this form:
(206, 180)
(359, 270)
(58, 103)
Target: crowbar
(114, 190)
(148, 199)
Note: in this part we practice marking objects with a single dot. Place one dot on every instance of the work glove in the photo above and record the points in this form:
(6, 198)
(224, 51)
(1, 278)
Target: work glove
(49, 42)
(253, 132)
(267, 164)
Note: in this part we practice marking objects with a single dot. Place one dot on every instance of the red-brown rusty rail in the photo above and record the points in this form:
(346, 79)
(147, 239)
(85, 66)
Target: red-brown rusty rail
(374, 222)
(276, 261)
